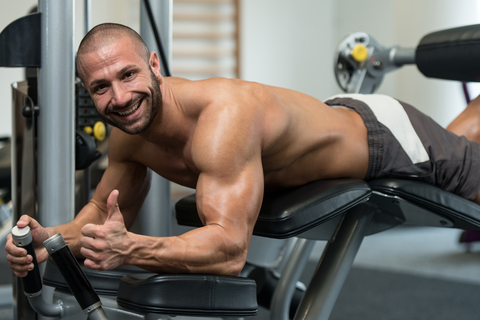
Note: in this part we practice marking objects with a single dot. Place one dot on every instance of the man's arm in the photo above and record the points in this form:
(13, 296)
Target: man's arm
(130, 177)
(226, 150)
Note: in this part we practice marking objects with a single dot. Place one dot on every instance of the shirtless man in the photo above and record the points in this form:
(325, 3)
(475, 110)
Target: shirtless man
(229, 139)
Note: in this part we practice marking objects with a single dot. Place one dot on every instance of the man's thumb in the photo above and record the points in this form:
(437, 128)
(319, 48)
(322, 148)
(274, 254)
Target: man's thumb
(112, 207)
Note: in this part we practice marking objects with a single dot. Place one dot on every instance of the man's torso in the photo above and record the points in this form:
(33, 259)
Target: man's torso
(302, 139)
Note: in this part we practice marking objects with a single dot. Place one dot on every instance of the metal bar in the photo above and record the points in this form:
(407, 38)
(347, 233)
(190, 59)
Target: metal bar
(56, 93)
(402, 56)
(87, 15)
(285, 289)
(23, 181)
(6, 298)
(87, 173)
(156, 216)
(156, 34)
(333, 268)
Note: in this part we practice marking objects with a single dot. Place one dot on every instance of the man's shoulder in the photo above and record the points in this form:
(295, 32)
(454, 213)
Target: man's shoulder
(218, 88)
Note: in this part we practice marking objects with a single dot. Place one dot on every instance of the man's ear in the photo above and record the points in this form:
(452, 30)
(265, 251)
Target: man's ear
(154, 62)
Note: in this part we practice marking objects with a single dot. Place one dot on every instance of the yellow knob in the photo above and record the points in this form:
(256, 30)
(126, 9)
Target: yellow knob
(88, 129)
(360, 53)
(99, 131)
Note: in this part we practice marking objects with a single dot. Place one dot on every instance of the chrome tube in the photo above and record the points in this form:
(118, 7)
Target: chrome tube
(56, 95)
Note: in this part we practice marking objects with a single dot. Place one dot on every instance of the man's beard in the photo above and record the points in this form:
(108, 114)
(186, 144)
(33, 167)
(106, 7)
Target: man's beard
(152, 109)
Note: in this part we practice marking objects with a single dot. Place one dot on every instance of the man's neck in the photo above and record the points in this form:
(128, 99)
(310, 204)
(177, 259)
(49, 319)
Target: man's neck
(168, 128)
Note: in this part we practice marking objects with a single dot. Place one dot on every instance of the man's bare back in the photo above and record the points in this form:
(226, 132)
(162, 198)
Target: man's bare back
(302, 139)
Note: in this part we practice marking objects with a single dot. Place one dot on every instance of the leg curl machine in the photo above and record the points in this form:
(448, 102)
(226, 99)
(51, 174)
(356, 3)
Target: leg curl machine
(340, 211)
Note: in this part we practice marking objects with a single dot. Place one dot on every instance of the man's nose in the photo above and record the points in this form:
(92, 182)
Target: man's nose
(119, 95)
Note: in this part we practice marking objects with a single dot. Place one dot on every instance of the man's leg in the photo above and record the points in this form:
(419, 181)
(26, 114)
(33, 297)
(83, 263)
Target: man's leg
(468, 124)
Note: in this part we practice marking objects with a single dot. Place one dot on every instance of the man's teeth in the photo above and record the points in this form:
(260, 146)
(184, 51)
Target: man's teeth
(130, 111)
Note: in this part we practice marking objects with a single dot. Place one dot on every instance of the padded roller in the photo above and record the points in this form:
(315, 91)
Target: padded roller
(463, 213)
(451, 54)
(189, 294)
(288, 213)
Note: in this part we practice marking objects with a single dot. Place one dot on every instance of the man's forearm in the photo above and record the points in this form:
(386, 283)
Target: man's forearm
(204, 250)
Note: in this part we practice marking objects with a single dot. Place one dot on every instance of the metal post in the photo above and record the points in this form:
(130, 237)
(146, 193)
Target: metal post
(337, 259)
(23, 181)
(163, 13)
(87, 15)
(280, 307)
(156, 216)
(56, 93)
(87, 172)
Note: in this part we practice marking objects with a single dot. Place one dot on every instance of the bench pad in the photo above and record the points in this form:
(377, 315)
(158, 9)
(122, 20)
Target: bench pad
(463, 213)
(287, 213)
(189, 294)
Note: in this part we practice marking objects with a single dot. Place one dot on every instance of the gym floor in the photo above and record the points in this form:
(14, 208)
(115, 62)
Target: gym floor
(428, 254)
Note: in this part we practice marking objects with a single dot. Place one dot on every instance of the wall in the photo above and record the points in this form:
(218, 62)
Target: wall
(289, 44)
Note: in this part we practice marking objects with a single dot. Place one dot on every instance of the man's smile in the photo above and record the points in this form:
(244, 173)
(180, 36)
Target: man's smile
(131, 110)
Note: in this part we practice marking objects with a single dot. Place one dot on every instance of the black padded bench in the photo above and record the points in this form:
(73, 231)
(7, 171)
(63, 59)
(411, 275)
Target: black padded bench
(131, 293)
(305, 213)
(340, 211)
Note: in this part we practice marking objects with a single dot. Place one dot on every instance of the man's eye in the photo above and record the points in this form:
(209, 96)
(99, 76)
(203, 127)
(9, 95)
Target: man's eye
(99, 88)
(128, 75)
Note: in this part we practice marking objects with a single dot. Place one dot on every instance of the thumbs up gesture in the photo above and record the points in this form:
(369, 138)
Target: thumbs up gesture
(107, 246)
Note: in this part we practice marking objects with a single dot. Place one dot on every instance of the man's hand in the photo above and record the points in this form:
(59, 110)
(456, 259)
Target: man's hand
(19, 261)
(107, 246)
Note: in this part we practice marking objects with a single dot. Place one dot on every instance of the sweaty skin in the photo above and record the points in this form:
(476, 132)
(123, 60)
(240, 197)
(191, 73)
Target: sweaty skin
(230, 139)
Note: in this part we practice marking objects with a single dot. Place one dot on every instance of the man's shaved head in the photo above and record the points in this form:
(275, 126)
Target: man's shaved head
(106, 34)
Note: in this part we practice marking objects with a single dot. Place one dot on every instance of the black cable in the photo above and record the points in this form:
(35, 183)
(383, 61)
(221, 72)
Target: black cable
(157, 38)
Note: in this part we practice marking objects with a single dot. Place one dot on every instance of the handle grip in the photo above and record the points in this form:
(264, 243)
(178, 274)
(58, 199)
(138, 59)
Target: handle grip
(73, 274)
(22, 238)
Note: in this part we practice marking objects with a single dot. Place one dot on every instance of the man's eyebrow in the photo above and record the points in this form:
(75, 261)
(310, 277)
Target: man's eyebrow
(119, 73)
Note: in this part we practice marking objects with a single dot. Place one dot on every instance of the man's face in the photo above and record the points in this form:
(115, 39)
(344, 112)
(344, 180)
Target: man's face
(122, 85)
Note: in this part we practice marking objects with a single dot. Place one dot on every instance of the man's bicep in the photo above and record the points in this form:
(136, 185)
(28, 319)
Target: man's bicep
(231, 201)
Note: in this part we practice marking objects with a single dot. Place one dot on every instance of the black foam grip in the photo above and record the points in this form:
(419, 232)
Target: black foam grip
(450, 54)
(75, 278)
(32, 283)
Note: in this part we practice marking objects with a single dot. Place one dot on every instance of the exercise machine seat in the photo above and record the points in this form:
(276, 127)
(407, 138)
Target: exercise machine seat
(189, 294)
(171, 294)
(456, 212)
(288, 213)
